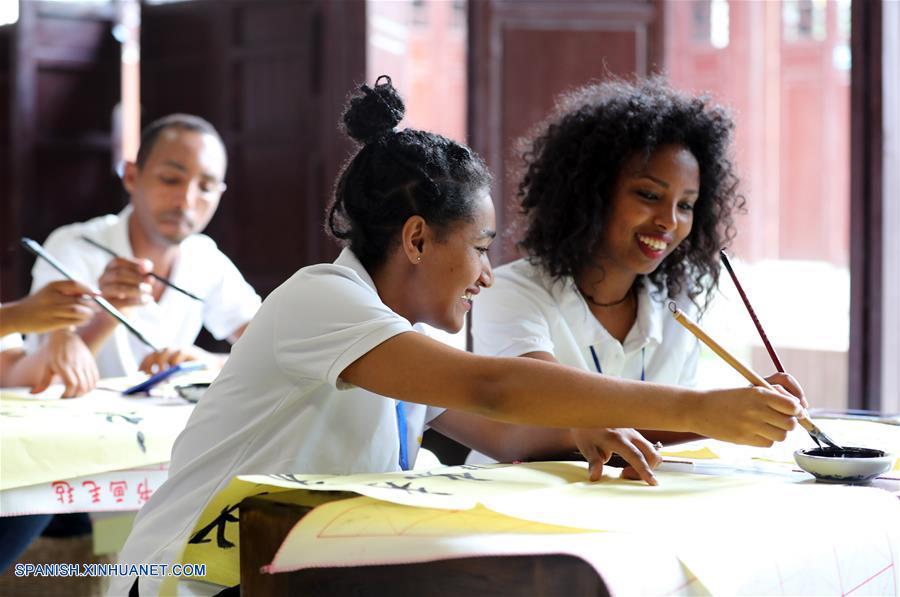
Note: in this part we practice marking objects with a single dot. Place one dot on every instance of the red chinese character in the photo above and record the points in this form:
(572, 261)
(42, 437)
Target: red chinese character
(144, 491)
(63, 492)
(94, 489)
(118, 489)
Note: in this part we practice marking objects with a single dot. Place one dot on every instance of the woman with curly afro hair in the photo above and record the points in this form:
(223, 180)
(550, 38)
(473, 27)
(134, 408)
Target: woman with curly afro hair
(627, 196)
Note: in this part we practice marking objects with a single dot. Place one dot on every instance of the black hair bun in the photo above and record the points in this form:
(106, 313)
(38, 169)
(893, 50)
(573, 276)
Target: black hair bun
(374, 112)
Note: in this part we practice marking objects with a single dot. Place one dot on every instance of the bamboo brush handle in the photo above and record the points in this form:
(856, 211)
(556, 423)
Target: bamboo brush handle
(748, 373)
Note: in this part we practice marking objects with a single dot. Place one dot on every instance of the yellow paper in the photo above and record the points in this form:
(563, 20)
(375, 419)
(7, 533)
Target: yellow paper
(44, 440)
(371, 518)
(452, 488)
(702, 452)
(448, 488)
(215, 540)
(746, 534)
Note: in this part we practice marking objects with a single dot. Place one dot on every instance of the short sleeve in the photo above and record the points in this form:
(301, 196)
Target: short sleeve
(509, 319)
(432, 413)
(326, 317)
(231, 302)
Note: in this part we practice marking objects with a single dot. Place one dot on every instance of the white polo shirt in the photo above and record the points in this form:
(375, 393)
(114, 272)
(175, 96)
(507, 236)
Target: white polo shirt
(279, 407)
(228, 300)
(527, 311)
(10, 341)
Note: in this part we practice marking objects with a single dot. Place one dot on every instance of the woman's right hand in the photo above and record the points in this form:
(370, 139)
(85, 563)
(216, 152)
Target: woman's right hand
(752, 416)
(126, 283)
(59, 304)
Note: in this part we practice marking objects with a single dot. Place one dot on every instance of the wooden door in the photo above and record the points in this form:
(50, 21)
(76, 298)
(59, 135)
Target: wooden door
(523, 53)
(63, 84)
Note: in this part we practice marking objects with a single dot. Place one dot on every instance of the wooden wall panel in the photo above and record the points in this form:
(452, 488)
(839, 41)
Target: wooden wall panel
(261, 73)
(8, 219)
(867, 156)
(523, 53)
(64, 83)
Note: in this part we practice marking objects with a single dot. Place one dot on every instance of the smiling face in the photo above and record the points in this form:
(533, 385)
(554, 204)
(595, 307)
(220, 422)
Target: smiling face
(652, 210)
(176, 191)
(455, 267)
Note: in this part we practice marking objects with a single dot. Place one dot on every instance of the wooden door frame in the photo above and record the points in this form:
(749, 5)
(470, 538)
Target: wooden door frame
(868, 261)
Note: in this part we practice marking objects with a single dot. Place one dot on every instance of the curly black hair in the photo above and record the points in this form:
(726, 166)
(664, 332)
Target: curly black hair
(572, 163)
(396, 175)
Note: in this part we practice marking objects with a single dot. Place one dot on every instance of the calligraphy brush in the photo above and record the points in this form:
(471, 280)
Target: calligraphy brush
(749, 374)
(165, 281)
(39, 251)
(759, 328)
(762, 334)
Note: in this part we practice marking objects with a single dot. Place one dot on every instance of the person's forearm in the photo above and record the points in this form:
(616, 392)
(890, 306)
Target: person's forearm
(10, 322)
(669, 438)
(98, 331)
(20, 369)
(417, 369)
(505, 442)
(516, 390)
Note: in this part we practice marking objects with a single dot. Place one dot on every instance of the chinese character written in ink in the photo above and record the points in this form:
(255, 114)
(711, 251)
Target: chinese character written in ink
(133, 419)
(450, 476)
(219, 523)
(144, 491)
(118, 489)
(63, 492)
(295, 479)
(94, 489)
(407, 487)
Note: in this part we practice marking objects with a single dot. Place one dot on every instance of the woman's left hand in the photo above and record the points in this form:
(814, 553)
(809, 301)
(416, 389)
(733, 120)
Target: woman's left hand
(598, 445)
(169, 357)
(64, 354)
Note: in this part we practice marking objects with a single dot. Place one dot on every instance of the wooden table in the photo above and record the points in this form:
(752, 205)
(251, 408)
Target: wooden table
(266, 520)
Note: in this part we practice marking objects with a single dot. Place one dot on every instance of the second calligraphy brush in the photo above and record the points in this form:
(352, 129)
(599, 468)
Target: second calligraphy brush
(165, 281)
(39, 251)
(759, 328)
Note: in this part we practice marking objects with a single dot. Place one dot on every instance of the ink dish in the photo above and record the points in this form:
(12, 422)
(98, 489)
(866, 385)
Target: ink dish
(844, 465)
(192, 392)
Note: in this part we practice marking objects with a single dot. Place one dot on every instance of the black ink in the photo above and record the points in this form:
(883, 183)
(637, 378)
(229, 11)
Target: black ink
(134, 420)
(845, 452)
(407, 487)
(295, 479)
(450, 476)
(219, 523)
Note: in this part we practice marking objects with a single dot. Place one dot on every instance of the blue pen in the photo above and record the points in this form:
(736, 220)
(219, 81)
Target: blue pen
(163, 375)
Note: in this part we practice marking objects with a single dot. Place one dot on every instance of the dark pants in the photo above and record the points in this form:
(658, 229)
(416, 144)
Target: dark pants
(17, 532)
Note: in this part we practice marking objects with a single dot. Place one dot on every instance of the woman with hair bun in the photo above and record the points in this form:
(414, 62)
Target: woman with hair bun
(627, 196)
(331, 377)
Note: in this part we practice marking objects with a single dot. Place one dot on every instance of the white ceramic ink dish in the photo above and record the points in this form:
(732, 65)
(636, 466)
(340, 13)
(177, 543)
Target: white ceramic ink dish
(844, 465)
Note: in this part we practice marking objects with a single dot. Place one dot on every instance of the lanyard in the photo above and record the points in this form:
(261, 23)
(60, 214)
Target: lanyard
(600, 370)
(401, 428)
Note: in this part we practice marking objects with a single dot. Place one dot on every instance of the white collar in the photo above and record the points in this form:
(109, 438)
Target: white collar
(648, 327)
(348, 258)
(118, 238)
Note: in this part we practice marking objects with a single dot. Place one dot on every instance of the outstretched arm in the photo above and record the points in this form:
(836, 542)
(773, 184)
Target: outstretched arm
(418, 369)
